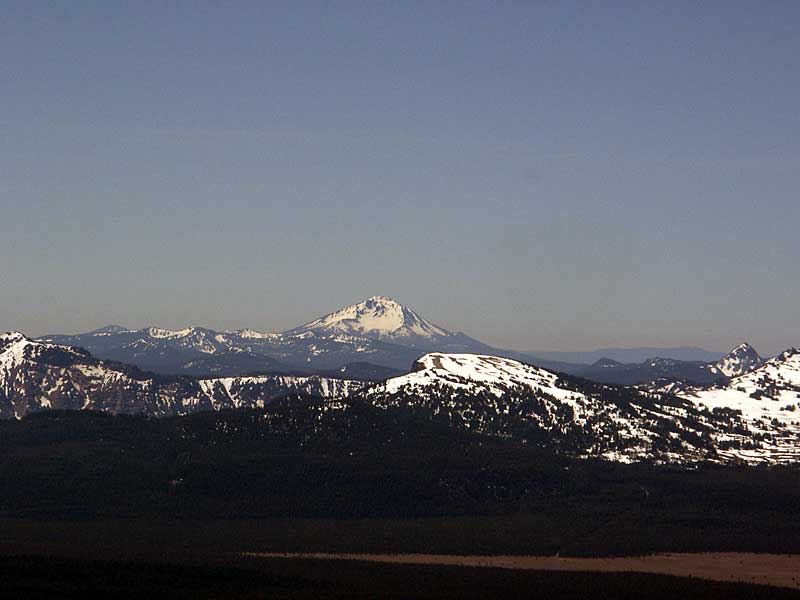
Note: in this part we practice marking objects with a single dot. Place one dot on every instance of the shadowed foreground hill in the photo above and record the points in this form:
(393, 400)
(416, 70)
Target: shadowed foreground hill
(425, 487)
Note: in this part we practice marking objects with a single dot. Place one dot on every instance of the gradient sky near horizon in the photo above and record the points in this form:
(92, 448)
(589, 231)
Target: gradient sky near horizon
(541, 175)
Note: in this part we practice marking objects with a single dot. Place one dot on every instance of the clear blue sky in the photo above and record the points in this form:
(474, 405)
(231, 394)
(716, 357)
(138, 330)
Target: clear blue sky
(541, 175)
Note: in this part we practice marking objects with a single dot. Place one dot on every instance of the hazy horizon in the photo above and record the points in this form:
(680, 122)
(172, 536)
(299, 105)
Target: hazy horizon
(549, 353)
(541, 176)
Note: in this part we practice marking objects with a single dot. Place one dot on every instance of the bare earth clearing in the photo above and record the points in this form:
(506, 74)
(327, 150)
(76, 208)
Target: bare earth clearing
(765, 569)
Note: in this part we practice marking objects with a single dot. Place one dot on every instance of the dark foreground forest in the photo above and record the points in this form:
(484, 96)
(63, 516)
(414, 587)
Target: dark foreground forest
(177, 500)
(37, 577)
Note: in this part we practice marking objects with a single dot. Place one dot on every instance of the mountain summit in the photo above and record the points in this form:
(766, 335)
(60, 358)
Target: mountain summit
(380, 318)
(739, 361)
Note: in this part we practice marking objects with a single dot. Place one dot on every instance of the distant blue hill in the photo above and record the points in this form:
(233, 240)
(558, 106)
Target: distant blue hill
(631, 355)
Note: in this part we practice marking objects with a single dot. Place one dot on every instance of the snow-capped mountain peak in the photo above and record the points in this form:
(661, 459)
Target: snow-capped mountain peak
(378, 317)
(16, 348)
(14, 342)
(471, 372)
(739, 361)
(13, 346)
(11, 337)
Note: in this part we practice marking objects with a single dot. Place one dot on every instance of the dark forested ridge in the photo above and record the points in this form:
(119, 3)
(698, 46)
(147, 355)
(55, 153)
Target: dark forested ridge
(169, 504)
(301, 459)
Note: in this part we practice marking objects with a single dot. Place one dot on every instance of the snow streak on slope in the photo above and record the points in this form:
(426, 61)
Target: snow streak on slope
(256, 391)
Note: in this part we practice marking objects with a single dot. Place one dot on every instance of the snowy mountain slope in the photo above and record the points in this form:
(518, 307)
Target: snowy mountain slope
(16, 349)
(501, 396)
(203, 352)
(381, 318)
(755, 418)
(311, 351)
(36, 375)
(739, 361)
(198, 339)
(767, 400)
(188, 351)
(377, 317)
(473, 372)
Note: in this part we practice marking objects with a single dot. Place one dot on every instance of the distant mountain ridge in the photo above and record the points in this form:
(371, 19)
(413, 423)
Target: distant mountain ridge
(653, 369)
(37, 375)
(738, 361)
(378, 331)
(631, 355)
(381, 335)
(751, 418)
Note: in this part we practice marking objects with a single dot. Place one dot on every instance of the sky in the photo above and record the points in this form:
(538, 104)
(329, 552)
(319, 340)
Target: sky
(541, 175)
